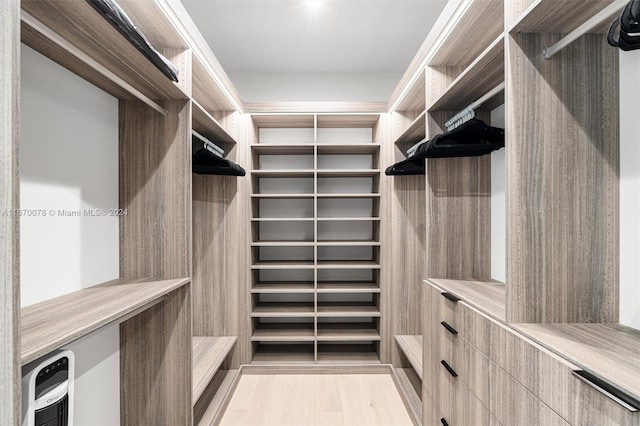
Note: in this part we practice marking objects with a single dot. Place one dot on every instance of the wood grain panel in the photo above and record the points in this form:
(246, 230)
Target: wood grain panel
(563, 227)
(315, 107)
(53, 323)
(155, 364)
(458, 200)
(9, 225)
(405, 381)
(211, 405)
(155, 189)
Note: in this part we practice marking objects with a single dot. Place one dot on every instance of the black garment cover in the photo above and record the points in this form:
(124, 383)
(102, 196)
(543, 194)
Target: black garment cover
(206, 162)
(629, 24)
(119, 19)
(471, 139)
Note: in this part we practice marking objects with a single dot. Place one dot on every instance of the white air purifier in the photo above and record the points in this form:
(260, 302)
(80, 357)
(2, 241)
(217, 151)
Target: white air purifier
(47, 390)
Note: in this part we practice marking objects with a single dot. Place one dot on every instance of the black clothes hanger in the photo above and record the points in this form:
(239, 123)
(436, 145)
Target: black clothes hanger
(208, 162)
(627, 24)
(471, 139)
(119, 19)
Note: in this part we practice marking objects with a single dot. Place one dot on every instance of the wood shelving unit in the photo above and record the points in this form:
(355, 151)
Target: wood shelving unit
(52, 324)
(559, 17)
(304, 303)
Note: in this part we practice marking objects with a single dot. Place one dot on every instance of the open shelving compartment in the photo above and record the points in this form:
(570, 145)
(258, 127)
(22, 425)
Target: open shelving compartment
(315, 246)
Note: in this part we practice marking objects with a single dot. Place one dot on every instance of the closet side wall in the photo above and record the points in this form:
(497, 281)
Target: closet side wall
(562, 195)
(9, 199)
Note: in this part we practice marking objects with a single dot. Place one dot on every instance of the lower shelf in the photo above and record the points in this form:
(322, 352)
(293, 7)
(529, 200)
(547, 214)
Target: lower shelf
(266, 353)
(365, 353)
(208, 355)
(209, 410)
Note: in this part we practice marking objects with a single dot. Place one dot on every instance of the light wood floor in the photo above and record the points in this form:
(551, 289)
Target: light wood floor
(316, 399)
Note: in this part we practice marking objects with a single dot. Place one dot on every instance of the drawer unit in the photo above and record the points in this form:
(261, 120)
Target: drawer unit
(444, 305)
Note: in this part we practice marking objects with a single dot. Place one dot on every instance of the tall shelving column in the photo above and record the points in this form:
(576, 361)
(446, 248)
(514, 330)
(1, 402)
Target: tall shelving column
(348, 243)
(315, 246)
(283, 239)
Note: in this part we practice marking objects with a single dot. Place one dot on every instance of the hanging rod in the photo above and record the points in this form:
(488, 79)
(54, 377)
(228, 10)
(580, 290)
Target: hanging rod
(590, 24)
(468, 113)
(51, 35)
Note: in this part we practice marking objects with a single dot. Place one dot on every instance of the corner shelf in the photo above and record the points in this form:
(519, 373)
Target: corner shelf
(208, 355)
(52, 324)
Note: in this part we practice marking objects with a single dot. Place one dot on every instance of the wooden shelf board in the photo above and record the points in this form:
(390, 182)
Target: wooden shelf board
(411, 347)
(348, 264)
(352, 243)
(348, 287)
(347, 219)
(282, 219)
(85, 28)
(346, 149)
(208, 355)
(286, 120)
(205, 124)
(52, 324)
(348, 332)
(347, 353)
(283, 149)
(280, 287)
(372, 195)
(282, 310)
(486, 18)
(282, 173)
(287, 353)
(416, 131)
(609, 351)
(347, 309)
(282, 244)
(213, 409)
(347, 120)
(487, 296)
(348, 173)
(482, 75)
(558, 16)
(271, 332)
(283, 265)
(286, 196)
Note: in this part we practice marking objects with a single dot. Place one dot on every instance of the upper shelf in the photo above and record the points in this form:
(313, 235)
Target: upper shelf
(49, 325)
(80, 25)
(416, 131)
(205, 124)
(475, 26)
(482, 75)
(558, 16)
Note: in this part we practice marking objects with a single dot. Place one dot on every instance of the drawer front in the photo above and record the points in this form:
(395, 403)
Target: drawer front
(481, 331)
(430, 353)
(445, 306)
(512, 404)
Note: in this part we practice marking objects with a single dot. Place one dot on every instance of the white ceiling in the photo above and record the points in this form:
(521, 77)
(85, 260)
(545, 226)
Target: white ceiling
(348, 37)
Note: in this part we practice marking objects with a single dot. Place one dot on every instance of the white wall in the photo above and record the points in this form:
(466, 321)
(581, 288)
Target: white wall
(69, 161)
(629, 189)
(498, 204)
(315, 87)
